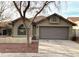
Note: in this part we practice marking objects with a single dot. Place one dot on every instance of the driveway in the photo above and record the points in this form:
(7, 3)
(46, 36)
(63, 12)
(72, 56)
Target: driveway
(52, 48)
(58, 48)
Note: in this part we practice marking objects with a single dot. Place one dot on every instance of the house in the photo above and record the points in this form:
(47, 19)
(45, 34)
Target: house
(75, 20)
(4, 27)
(45, 28)
(54, 27)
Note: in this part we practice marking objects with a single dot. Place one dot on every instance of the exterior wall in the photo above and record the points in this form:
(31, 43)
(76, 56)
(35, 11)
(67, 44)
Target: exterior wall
(77, 32)
(76, 29)
(61, 23)
(71, 32)
(1, 30)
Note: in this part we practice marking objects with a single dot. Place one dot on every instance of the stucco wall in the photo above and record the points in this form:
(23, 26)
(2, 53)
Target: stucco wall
(76, 28)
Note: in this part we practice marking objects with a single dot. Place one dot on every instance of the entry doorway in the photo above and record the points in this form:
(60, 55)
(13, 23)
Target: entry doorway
(4, 32)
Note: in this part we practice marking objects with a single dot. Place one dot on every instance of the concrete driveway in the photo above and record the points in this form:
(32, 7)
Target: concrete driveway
(58, 48)
(51, 48)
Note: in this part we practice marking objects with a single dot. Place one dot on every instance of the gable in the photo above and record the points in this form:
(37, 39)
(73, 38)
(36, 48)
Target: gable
(46, 22)
(20, 21)
(54, 19)
(60, 18)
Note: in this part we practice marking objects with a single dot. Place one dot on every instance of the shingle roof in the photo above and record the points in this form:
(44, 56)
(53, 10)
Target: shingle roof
(4, 22)
(38, 18)
(19, 19)
(67, 20)
(73, 19)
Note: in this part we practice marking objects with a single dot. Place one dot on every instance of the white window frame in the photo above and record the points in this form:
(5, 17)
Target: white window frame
(51, 19)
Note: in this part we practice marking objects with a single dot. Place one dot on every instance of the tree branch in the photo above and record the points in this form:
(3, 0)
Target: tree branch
(20, 4)
(46, 3)
(24, 12)
(17, 8)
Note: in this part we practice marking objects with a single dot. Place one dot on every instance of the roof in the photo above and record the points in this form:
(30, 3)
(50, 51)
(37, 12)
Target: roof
(19, 19)
(74, 24)
(4, 22)
(73, 19)
(38, 19)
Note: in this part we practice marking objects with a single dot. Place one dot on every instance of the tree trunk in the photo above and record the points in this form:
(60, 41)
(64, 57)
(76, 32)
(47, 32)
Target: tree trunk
(28, 40)
(27, 35)
(34, 31)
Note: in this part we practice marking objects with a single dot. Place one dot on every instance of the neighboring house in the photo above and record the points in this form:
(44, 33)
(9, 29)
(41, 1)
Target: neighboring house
(51, 27)
(5, 27)
(75, 20)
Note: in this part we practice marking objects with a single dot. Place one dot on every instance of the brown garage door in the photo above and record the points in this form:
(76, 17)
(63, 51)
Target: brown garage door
(53, 33)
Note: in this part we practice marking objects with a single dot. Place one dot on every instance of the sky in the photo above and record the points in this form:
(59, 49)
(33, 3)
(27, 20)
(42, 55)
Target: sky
(71, 9)
(67, 9)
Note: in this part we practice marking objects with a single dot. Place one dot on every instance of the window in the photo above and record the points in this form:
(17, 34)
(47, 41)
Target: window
(9, 32)
(21, 30)
(4, 32)
(54, 19)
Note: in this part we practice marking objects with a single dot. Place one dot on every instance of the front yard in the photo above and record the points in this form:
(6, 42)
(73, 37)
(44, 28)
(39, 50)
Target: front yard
(46, 48)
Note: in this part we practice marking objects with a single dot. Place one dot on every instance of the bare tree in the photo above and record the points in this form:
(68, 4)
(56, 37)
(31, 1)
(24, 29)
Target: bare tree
(28, 6)
(2, 8)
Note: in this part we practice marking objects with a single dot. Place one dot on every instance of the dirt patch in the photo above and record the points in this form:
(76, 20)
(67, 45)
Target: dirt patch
(18, 47)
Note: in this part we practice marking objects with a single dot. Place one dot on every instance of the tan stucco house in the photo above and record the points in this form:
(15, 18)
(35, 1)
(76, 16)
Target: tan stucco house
(52, 27)
(75, 20)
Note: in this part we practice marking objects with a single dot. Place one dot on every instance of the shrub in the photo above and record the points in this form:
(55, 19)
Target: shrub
(74, 38)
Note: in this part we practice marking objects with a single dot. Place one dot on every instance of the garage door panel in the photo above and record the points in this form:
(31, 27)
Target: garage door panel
(53, 32)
